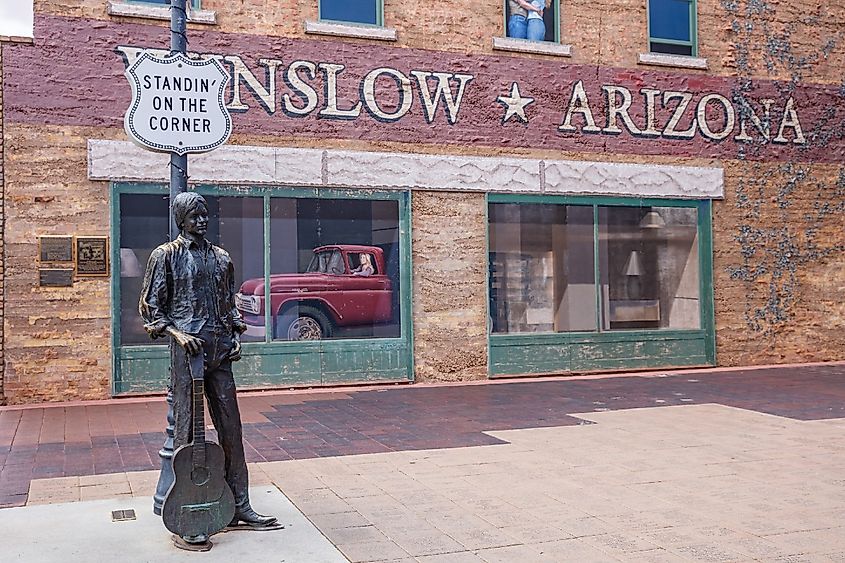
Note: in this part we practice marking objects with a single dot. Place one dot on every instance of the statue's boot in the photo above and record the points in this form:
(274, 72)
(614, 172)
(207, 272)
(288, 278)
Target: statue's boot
(248, 519)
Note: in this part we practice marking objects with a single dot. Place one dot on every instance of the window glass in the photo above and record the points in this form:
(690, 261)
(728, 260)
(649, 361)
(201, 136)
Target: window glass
(144, 225)
(315, 246)
(670, 19)
(670, 26)
(237, 225)
(649, 267)
(521, 23)
(352, 11)
(542, 275)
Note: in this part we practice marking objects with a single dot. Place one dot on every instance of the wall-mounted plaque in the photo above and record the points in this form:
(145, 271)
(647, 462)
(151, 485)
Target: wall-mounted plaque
(55, 248)
(55, 277)
(92, 256)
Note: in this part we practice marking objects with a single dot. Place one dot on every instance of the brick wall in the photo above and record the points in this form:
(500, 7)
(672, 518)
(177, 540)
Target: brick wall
(2, 242)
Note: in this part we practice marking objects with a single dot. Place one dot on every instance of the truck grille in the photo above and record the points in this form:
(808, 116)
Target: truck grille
(246, 303)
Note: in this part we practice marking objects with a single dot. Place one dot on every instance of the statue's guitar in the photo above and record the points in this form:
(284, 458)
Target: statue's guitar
(199, 501)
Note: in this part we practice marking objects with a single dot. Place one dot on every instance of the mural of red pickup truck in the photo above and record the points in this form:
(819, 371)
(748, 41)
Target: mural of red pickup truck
(343, 286)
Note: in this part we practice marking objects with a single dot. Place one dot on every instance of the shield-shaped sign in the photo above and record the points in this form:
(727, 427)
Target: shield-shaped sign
(177, 104)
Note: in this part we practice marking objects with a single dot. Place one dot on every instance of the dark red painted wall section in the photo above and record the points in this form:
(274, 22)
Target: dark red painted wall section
(74, 76)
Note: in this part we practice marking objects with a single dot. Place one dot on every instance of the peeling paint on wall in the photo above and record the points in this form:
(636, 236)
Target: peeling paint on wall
(786, 211)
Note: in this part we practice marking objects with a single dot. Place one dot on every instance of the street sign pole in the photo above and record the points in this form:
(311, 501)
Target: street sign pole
(178, 184)
(178, 163)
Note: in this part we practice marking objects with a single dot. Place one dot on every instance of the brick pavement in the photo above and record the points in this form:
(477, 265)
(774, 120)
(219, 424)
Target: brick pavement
(124, 436)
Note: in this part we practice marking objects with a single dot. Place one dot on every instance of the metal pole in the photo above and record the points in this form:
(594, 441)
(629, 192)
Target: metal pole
(178, 184)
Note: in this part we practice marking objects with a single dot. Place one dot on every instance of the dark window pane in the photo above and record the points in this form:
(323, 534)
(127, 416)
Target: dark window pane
(237, 225)
(649, 267)
(669, 19)
(355, 11)
(671, 49)
(541, 268)
(334, 267)
(144, 225)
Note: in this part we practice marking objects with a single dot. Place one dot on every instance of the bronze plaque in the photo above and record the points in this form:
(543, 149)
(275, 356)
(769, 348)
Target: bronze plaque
(55, 277)
(55, 248)
(92, 256)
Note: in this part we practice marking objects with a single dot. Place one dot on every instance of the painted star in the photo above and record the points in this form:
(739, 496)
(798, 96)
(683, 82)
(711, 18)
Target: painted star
(514, 104)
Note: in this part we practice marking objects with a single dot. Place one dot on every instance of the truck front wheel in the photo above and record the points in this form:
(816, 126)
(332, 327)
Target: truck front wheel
(303, 323)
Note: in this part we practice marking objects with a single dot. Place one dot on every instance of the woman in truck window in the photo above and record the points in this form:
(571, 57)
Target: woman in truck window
(366, 267)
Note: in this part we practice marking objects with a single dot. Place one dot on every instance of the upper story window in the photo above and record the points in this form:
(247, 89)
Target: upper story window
(367, 12)
(672, 27)
(16, 20)
(534, 20)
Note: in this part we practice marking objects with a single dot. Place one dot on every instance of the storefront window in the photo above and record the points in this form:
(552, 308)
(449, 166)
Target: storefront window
(334, 267)
(648, 259)
(237, 225)
(542, 268)
(542, 277)
(143, 226)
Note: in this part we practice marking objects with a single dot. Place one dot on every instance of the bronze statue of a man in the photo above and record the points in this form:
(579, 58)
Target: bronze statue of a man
(189, 293)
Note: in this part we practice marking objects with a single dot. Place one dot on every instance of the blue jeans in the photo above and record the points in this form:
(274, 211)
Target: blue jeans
(536, 30)
(518, 27)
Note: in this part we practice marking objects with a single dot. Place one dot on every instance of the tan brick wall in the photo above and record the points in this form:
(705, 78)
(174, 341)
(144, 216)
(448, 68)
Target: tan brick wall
(450, 286)
(58, 339)
(779, 264)
(2, 242)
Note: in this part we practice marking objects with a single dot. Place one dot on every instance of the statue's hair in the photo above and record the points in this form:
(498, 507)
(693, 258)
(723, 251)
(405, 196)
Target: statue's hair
(184, 203)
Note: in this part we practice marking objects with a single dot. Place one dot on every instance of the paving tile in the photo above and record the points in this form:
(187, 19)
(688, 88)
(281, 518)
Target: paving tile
(336, 520)
(708, 552)
(460, 557)
(658, 555)
(620, 544)
(372, 551)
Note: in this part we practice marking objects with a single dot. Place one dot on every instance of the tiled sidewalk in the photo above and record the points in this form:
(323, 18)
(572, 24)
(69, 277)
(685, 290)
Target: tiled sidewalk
(684, 483)
(124, 436)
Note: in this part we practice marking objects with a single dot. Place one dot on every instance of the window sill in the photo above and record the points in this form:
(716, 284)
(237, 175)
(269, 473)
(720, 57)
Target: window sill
(535, 47)
(350, 30)
(16, 39)
(135, 10)
(677, 61)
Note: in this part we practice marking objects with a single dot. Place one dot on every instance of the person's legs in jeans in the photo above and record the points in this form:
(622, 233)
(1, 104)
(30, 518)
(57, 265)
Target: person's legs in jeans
(536, 30)
(517, 27)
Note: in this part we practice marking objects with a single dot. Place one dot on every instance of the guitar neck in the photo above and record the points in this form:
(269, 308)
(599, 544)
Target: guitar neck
(199, 422)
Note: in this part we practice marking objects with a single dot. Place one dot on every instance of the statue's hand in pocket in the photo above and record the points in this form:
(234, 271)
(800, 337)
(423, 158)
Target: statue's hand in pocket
(235, 354)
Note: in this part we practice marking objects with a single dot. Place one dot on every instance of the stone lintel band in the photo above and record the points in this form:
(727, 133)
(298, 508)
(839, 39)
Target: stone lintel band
(240, 164)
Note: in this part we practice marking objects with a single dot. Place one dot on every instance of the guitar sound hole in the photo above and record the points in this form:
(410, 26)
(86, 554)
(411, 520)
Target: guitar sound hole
(199, 476)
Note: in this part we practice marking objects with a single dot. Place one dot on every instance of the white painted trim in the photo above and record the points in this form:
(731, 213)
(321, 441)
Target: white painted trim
(676, 61)
(536, 47)
(350, 30)
(237, 164)
(154, 12)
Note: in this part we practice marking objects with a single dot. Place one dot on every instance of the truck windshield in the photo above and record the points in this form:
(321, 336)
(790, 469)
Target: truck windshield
(327, 262)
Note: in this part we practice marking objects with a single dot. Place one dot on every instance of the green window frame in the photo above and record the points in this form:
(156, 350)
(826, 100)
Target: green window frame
(673, 46)
(378, 6)
(274, 363)
(555, 20)
(600, 349)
